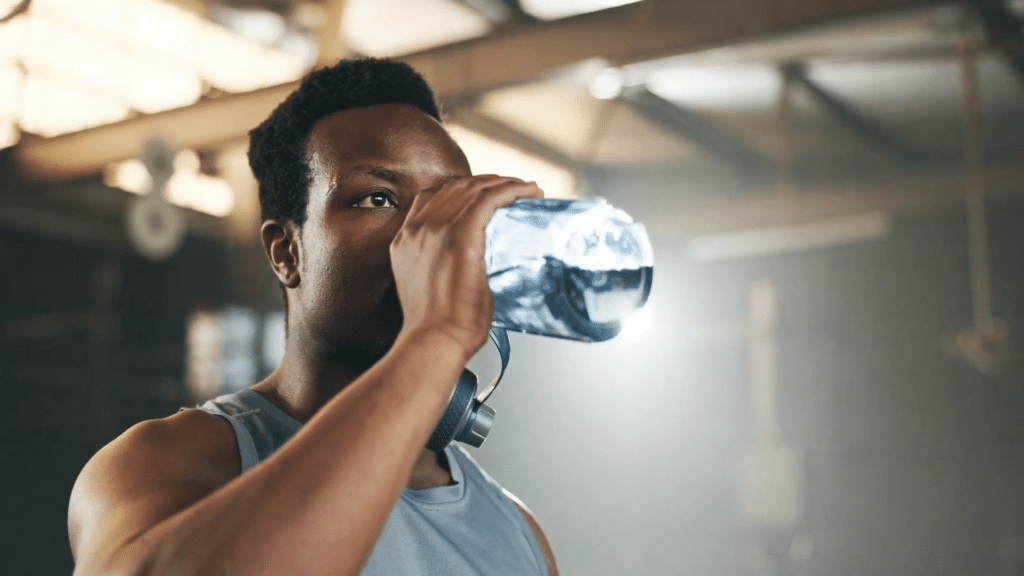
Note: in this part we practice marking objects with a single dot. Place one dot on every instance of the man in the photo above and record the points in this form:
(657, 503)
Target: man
(374, 227)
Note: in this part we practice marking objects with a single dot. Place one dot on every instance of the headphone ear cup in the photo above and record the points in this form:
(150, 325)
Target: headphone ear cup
(458, 411)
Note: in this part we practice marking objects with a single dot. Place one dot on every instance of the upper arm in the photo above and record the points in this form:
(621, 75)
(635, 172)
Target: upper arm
(154, 470)
(542, 540)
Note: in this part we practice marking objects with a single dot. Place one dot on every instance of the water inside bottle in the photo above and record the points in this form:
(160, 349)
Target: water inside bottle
(567, 268)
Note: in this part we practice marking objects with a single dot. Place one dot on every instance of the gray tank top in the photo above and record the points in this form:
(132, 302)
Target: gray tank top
(469, 528)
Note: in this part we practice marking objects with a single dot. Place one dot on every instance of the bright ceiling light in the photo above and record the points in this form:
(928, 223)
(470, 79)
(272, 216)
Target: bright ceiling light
(11, 38)
(190, 189)
(163, 32)
(153, 88)
(487, 156)
(9, 133)
(10, 90)
(262, 26)
(235, 64)
(130, 176)
(103, 16)
(187, 188)
(409, 26)
(51, 107)
(607, 84)
(554, 9)
(202, 193)
(90, 62)
(6, 6)
(187, 161)
(61, 49)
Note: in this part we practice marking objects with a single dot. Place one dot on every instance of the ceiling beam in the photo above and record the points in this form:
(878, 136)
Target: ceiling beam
(1005, 31)
(500, 12)
(330, 37)
(693, 127)
(917, 192)
(521, 54)
(868, 130)
(469, 117)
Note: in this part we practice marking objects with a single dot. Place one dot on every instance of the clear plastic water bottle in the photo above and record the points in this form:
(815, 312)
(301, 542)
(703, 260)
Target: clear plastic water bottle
(566, 268)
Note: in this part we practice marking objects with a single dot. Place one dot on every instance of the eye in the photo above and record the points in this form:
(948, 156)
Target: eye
(375, 200)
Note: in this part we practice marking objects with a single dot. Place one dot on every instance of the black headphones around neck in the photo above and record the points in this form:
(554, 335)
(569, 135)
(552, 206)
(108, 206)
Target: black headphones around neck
(466, 418)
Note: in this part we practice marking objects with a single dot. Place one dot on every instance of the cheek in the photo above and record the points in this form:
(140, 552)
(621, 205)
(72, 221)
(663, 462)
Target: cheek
(353, 266)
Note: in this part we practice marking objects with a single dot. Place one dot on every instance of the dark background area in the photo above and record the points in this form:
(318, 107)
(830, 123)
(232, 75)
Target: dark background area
(93, 343)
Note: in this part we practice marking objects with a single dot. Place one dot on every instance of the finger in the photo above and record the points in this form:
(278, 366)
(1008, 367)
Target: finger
(479, 212)
(451, 199)
(444, 204)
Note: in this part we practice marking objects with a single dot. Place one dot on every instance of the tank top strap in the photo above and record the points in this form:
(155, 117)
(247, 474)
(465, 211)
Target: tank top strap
(260, 427)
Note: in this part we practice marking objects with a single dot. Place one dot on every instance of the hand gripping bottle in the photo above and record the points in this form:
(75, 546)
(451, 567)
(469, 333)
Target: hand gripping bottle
(566, 268)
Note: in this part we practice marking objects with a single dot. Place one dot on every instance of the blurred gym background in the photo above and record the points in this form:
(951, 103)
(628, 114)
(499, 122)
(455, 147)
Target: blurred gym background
(827, 378)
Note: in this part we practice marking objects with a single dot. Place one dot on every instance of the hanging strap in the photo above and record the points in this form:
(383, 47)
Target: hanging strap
(500, 339)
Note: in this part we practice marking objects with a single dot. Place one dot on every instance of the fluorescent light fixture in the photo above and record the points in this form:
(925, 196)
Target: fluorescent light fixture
(785, 239)
(555, 9)
(487, 156)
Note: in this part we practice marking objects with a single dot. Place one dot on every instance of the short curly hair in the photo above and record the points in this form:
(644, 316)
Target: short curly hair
(277, 147)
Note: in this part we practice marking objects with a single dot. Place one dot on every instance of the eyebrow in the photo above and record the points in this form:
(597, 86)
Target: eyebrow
(384, 173)
(377, 171)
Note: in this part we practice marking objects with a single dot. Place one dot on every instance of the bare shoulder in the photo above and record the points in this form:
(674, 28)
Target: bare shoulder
(542, 540)
(153, 470)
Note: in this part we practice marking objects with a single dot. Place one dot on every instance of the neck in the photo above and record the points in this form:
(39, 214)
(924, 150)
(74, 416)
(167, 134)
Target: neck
(306, 381)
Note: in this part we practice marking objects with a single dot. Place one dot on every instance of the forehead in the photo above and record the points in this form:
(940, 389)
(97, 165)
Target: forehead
(393, 133)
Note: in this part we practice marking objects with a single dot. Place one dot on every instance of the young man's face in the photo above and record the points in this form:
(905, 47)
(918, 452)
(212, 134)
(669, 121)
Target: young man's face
(367, 165)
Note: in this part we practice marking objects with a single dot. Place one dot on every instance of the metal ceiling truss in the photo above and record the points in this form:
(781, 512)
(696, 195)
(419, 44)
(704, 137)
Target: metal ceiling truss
(714, 139)
(868, 130)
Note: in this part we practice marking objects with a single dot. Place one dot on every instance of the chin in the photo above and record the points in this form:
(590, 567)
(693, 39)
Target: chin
(359, 356)
(362, 352)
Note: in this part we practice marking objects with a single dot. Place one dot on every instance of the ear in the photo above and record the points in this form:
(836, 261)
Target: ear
(281, 243)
